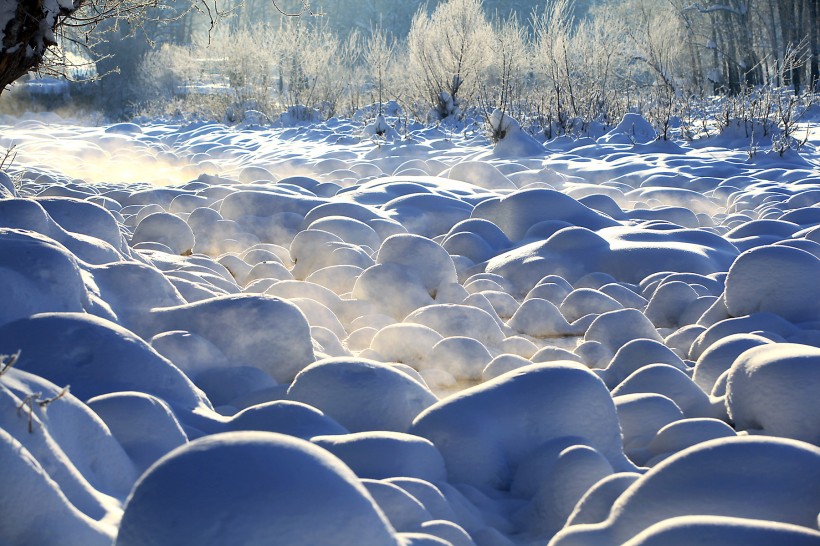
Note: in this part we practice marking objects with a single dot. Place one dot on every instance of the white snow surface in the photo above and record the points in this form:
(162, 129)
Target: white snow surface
(337, 334)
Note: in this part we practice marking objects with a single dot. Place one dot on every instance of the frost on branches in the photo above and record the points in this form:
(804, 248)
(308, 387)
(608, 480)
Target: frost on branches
(27, 29)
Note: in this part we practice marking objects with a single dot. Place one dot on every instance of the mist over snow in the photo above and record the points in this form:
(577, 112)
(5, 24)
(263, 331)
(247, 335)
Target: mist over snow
(341, 334)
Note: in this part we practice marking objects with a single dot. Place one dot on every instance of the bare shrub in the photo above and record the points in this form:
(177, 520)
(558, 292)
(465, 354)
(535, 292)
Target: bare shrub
(448, 52)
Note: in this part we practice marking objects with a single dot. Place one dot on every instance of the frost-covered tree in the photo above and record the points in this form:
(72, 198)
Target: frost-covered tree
(309, 59)
(165, 72)
(378, 58)
(448, 52)
(510, 64)
(31, 30)
(553, 35)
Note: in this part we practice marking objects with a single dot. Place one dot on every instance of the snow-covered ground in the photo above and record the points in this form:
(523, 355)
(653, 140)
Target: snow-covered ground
(301, 336)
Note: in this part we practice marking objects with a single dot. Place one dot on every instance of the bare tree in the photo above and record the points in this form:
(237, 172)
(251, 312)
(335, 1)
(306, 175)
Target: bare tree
(509, 67)
(553, 33)
(813, 10)
(32, 30)
(378, 57)
(448, 52)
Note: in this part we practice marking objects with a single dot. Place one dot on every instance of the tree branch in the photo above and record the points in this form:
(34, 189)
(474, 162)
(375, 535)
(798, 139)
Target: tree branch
(742, 10)
(306, 9)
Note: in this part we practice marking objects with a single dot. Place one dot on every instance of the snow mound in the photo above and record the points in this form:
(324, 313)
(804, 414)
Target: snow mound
(685, 433)
(95, 357)
(459, 320)
(189, 352)
(723, 531)
(634, 355)
(166, 229)
(246, 203)
(341, 279)
(486, 431)
(380, 455)
(558, 474)
(428, 214)
(468, 244)
(585, 301)
(464, 357)
(392, 289)
(641, 416)
(84, 217)
(481, 230)
(483, 175)
(713, 479)
(768, 325)
(286, 417)
(720, 356)
(361, 394)
(629, 254)
(519, 211)
(541, 319)
(669, 304)
(28, 493)
(144, 425)
(512, 140)
(252, 330)
(255, 485)
(671, 382)
(420, 256)
(616, 328)
(38, 275)
(132, 289)
(56, 448)
(773, 389)
(348, 230)
(596, 503)
(502, 364)
(632, 129)
(406, 513)
(775, 279)
(64, 433)
(406, 343)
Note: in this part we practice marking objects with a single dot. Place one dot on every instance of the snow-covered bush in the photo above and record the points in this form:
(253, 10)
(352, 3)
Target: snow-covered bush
(307, 58)
(296, 66)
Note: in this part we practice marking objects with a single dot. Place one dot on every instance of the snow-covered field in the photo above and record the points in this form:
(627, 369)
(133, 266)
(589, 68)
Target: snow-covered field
(299, 337)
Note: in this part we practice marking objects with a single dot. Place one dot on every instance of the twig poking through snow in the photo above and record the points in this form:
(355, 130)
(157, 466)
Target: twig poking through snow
(7, 361)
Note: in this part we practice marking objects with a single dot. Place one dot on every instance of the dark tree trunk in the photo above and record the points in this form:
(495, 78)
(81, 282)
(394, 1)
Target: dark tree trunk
(786, 12)
(813, 7)
(24, 39)
(776, 51)
(746, 56)
(727, 33)
(797, 68)
(716, 68)
(23, 45)
(697, 67)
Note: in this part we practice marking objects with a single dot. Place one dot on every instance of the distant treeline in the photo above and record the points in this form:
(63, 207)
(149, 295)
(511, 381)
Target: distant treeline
(565, 64)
